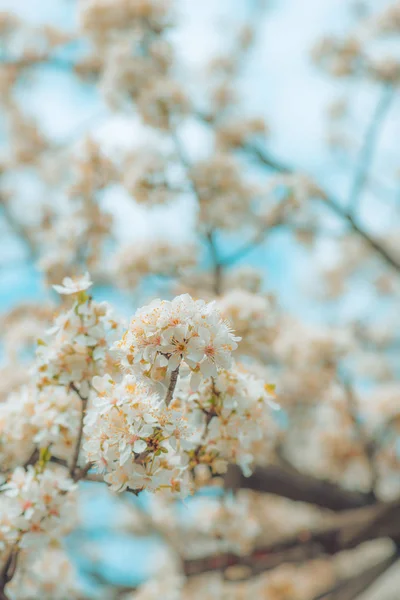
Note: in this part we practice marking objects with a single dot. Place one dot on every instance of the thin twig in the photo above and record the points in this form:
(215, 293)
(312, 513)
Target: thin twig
(82, 473)
(368, 148)
(272, 163)
(217, 264)
(20, 230)
(210, 237)
(75, 457)
(351, 588)
(8, 571)
(172, 385)
(368, 445)
(341, 532)
(245, 249)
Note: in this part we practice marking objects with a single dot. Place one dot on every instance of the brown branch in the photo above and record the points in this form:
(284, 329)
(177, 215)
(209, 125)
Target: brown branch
(8, 571)
(172, 385)
(75, 458)
(82, 473)
(95, 477)
(368, 445)
(292, 484)
(209, 237)
(343, 532)
(351, 588)
(115, 590)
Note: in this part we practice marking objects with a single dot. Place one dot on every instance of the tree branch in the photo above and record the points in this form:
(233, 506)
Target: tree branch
(343, 532)
(75, 458)
(19, 229)
(351, 588)
(8, 570)
(268, 161)
(217, 264)
(300, 487)
(368, 147)
(368, 446)
(172, 385)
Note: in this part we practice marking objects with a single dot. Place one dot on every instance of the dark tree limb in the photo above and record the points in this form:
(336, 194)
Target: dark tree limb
(351, 588)
(294, 485)
(172, 385)
(7, 571)
(344, 532)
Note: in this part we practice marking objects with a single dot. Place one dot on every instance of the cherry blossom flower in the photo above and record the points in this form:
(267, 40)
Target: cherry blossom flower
(76, 348)
(74, 286)
(134, 438)
(164, 335)
(42, 503)
(233, 412)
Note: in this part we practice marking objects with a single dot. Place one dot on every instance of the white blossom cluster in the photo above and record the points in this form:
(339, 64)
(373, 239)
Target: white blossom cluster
(166, 409)
(153, 257)
(77, 346)
(180, 406)
(251, 316)
(56, 420)
(39, 504)
(107, 16)
(48, 575)
(224, 196)
(233, 413)
(310, 356)
(207, 525)
(75, 227)
(16, 428)
(134, 438)
(134, 58)
(165, 335)
(30, 417)
(147, 177)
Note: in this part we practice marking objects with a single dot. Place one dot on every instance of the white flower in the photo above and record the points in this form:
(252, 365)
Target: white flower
(74, 285)
(42, 504)
(134, 438)
(232, 410)
(253, 318)
(77, 347)
(47, 574)
(164, 335)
